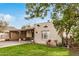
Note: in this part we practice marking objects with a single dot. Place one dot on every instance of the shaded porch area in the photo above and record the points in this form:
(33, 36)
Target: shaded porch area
(24, 35)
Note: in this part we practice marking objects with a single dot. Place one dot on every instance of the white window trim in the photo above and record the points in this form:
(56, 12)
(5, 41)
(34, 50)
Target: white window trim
(48, 34)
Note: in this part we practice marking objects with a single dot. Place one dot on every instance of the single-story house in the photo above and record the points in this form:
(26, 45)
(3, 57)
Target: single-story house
(40, 33)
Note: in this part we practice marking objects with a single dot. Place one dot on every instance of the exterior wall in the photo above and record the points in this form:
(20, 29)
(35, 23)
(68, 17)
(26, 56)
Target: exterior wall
(14, 35)
(4, 36)
(38, 28)
(53, 35)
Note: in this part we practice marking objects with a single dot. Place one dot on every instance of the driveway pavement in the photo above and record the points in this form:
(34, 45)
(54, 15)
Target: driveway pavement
(12, 43)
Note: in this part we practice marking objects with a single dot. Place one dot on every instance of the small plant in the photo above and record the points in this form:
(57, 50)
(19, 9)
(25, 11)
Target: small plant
(48, 42)
(59, 45)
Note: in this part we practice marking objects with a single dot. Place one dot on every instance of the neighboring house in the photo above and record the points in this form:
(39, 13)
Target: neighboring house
(40, 33)
(5, 34)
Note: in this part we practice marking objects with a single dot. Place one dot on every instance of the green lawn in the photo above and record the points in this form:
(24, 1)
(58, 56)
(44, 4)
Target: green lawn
(33, 50)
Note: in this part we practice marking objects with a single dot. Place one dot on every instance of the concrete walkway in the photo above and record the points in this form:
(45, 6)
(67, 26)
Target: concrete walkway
(12, 43)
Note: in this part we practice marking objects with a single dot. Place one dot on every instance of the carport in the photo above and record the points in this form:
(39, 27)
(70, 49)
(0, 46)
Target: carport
(27, 34)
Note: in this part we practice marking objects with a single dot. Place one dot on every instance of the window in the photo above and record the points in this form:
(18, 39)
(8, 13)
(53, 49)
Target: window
(45, 26)
(38, 25)
(29, 34)
(45, 34)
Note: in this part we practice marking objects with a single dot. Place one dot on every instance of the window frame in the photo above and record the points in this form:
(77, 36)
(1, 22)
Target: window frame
(45, 33)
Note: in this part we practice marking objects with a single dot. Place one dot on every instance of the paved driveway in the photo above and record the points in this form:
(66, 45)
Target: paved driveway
(12, 43)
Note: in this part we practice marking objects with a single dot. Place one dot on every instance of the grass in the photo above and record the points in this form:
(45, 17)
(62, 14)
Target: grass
(33, 50)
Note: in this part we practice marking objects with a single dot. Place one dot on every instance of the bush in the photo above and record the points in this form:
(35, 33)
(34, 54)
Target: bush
(59, 44)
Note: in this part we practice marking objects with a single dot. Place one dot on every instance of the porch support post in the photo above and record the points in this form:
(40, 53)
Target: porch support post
(9, 35)
(26, 34)
(19, 39)
(19, 36)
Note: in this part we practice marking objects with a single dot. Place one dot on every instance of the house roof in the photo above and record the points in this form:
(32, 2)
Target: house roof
(33, 25)
(9, 28)
(27, 27)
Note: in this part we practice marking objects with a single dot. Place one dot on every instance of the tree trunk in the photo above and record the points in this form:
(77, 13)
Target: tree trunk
(67, 40)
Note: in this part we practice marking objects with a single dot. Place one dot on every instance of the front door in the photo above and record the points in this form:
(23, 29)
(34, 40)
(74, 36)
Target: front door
(30, 35)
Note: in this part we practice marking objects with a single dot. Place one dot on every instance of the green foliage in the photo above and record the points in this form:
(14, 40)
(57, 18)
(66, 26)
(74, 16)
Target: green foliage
(36, 10)
(69, 16)
(75, 31)
(23, 27)
(64, 15)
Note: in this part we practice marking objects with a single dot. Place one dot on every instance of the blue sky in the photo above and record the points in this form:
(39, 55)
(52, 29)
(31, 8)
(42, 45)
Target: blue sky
(16, 13)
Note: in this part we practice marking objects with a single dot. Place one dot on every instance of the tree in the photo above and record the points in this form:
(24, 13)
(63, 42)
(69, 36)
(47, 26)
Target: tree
(75, 31)
(36, 10)
(23, 27)
(3, 25)
(69, 18)
(64, 16)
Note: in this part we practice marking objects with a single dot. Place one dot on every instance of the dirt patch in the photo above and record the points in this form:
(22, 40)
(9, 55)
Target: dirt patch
(74, 50)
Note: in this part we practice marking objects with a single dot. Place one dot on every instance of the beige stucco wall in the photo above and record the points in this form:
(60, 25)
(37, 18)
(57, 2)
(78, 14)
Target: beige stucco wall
(53, 35)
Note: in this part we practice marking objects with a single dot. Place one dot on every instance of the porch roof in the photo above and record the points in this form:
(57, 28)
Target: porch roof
(22, 29)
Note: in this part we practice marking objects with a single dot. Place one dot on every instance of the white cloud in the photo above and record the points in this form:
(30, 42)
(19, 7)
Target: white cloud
(6, 17)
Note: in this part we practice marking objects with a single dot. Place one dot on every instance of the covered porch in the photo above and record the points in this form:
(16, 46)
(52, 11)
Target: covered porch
(24, 35)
